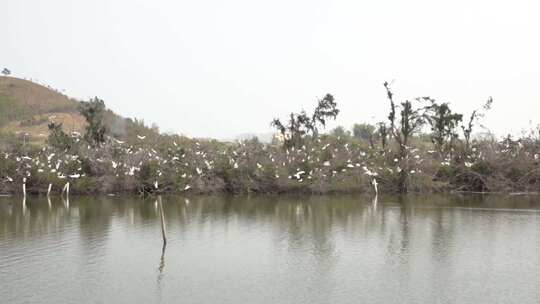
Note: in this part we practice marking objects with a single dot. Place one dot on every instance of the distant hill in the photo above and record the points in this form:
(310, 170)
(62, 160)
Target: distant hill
(262, 137)
(28, 107)
(26, 98)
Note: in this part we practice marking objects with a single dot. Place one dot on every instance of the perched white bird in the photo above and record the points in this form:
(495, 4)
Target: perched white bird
(140, 137)
(297, 175)
(369, 172)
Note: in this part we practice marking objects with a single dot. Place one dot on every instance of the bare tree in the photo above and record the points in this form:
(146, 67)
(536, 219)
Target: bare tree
(382, 130)
(402, 128)
(473, 119)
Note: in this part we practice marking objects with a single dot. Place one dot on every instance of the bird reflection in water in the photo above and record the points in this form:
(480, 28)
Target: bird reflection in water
(65, 201)
(24, 205)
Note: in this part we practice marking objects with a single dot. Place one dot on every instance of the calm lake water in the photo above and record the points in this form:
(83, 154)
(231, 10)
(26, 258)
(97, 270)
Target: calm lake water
(271, 249)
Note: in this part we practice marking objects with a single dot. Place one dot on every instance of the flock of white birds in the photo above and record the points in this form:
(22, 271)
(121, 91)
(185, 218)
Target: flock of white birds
(187, 162)
(317, 160)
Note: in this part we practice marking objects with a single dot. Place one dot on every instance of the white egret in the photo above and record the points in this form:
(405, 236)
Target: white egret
(66, 189)
(374, 183)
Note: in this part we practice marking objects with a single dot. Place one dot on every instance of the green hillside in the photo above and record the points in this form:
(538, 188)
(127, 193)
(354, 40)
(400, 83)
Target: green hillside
(20, 99)
(28, 107)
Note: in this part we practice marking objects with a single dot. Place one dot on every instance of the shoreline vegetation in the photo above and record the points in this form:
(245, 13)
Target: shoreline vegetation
(422, 146)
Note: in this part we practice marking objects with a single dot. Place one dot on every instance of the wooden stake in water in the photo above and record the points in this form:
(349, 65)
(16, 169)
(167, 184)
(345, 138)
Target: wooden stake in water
(163, 230)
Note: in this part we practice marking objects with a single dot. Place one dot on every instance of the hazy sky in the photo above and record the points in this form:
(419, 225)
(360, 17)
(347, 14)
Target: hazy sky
(219, 68)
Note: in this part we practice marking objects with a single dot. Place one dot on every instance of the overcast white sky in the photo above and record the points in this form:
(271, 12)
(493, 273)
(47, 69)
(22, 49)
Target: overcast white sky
(219, 68)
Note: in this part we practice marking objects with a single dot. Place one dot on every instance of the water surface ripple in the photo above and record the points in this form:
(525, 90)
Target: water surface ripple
(271, 249)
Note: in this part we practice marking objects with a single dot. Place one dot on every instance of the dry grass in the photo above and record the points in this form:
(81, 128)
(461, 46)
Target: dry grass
(72, 122)
(35, 98)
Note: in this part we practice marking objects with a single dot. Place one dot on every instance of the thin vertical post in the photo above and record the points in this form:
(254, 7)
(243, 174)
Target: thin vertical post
(162, 215)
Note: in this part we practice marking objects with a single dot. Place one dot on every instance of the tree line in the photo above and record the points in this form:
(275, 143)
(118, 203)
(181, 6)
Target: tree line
(405, 119)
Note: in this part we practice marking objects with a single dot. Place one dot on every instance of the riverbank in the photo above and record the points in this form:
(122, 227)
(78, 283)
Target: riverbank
(329, 164)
